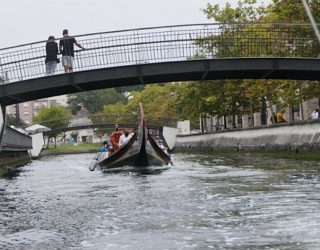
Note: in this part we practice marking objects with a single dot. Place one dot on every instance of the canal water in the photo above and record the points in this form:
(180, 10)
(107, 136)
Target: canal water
(204, 202)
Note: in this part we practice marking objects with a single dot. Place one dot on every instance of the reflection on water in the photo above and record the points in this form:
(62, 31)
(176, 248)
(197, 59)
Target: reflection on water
(9, 172)
(204, 202)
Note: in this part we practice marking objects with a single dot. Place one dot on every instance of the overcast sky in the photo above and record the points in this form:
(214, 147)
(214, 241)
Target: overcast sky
(25, 21)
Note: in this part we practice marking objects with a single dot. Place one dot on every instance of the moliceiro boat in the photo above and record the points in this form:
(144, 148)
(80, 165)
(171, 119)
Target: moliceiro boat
(139, 151)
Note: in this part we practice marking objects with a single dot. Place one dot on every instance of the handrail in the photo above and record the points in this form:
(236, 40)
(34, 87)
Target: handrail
(166, 44)
(163, 27)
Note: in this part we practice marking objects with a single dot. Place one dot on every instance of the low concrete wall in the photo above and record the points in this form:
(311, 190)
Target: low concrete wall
(170, 136)
(283, 137)
(14, 140)
(37, 145)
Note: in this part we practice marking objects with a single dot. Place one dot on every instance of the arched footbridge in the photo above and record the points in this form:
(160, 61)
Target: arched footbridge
(164, 54)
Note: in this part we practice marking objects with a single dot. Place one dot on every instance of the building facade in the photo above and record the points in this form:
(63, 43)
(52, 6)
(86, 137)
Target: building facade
(27, 110)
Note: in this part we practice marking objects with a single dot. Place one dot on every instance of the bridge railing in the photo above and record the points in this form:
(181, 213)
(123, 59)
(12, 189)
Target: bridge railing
(166, 44)
(108, 119)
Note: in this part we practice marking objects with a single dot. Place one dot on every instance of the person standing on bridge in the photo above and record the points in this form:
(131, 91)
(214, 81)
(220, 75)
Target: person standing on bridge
(66, 47)
(52, 56)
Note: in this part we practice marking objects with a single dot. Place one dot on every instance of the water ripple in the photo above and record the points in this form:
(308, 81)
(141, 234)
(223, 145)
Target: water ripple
(204, 202)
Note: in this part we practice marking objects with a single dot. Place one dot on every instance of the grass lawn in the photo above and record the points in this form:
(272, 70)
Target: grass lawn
(301, 155)
(75, 147)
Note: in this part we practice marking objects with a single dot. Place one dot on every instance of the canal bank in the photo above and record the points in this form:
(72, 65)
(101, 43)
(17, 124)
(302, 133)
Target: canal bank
(65, 149)
(284, 137)
(9, 161)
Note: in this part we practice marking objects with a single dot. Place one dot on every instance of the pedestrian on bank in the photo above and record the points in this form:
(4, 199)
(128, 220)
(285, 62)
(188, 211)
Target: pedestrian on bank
(273, 118)
(315, 114)
(66, 47)
(51, 56)
(280, 117)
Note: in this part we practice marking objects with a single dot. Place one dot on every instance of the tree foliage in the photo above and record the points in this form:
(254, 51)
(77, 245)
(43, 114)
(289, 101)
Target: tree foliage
(12, 120)
(232, 97)
(245, 11)
(94, 101)
(53, 117)
(157, 101)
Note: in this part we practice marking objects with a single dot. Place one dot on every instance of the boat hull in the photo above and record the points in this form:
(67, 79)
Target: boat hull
(138, 152)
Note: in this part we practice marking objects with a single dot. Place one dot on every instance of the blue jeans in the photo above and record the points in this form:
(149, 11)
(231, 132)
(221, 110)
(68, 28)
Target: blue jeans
(51, 68)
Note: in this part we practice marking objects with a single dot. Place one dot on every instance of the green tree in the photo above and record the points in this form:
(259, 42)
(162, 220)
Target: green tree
(113, 113)
(157, 101)
(12, 120)
(117, 113)
(245, 11)
(94, 101)
(237, 40)
(212, 98)
(53, 117)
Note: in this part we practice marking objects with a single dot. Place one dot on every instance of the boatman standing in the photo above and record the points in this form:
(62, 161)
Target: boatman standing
(114, 138)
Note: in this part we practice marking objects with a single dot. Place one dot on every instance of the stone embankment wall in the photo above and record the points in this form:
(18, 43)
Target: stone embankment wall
(13, 159)
(277, 137)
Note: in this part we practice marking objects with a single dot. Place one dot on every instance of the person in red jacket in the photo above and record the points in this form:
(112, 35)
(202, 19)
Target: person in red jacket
(114, 138)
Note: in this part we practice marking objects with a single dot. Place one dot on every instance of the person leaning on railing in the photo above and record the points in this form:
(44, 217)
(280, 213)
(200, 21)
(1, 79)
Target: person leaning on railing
(51, 56)
(66, 47)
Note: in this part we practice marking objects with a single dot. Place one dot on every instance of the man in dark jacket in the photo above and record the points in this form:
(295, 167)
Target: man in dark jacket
(52, 56)
(67, 50)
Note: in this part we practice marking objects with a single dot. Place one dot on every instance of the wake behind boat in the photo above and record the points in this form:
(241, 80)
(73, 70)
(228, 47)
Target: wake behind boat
(140, 150)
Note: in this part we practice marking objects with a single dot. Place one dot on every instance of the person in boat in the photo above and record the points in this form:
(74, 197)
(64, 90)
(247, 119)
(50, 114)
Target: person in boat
(161, 145)
(124, 138)
(104, 151)
(106, 147)
(114, 138)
